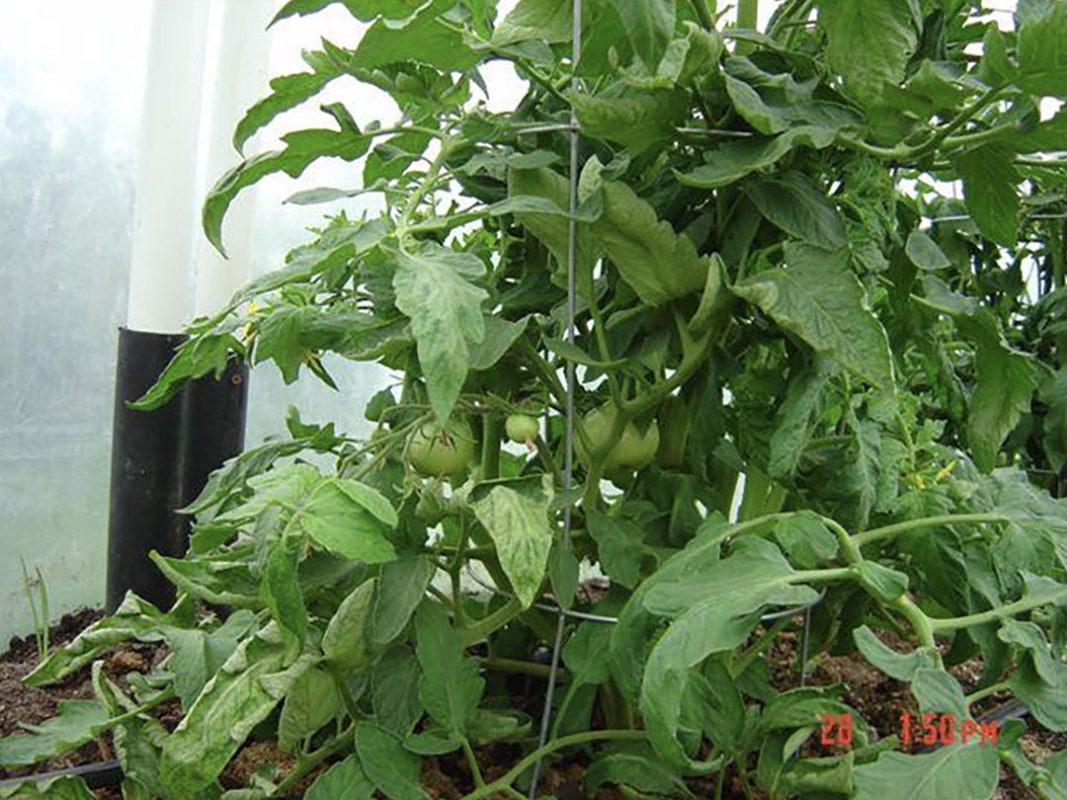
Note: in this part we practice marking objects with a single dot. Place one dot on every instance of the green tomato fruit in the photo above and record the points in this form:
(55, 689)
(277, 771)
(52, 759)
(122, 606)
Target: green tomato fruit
(633, 451)
(437, 451)
(521, 429)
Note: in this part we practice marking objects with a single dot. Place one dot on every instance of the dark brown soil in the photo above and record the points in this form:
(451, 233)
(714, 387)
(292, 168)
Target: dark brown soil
(881, 700)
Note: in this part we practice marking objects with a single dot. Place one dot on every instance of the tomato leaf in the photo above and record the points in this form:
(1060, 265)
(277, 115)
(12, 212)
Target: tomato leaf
(818, 298)
(796, 206)
(990, 184)
(434, 290)
(345, 780)
(869, 44)
(450, 686)
(519, 526)
(649, 25)
(966, 772)
(1042, 48)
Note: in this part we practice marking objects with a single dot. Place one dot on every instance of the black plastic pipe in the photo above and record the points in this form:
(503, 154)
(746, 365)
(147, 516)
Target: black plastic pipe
(213, 426)
(160, 460)
(145, 472)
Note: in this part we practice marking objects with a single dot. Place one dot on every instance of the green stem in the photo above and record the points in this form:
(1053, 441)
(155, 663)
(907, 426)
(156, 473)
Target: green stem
(700, 7)
(309, 762)
(981, 694)
(747, 20)
(513, 774)
(425, 187)
(889, 531)
(472, 762)
(823, 575)
(1000, 612)
(520, 667)
(481, 629)
(978, 137)
(347, 700)
(849, 548)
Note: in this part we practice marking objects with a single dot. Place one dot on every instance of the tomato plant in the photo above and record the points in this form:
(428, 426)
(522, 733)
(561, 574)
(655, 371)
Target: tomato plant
(818, 270)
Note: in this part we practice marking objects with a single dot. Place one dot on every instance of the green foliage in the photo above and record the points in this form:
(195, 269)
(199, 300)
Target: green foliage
(776, 279)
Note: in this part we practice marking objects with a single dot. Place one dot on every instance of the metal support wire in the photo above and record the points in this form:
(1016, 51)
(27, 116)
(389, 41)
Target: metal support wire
(568, 458)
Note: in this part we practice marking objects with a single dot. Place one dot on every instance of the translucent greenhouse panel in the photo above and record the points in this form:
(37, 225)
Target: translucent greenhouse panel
(70, 106)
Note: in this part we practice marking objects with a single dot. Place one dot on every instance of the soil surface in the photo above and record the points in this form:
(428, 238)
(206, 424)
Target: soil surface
(881, 699)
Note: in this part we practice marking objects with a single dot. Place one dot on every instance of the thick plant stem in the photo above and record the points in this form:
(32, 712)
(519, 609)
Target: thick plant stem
(889, 531)
(747, 20)
(1000, 612)
(494, 622)
(509, 777)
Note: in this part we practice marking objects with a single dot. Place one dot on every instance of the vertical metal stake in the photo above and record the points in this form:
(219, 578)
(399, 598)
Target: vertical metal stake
(568, 458)
(804, 646)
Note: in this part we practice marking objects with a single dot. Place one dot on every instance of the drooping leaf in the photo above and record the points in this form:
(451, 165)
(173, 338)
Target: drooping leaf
(348, 518)
(807, 541)
(818, 298)
(311, 703)
(76, 722)
(240, 696)
(936, 690)
(197, 654)
(401, 587)
(620, 546)
(713, 612)
(345, 780)
(649, 24)
(896, 665)
(419, 38)
(395, 690)
(990, 188)
(637, 767)
(548, 20)
(63, 787)
(1042, 48)
(583, 654)
(793, 423)
(282, 586)
(434, 290)
(345, 643)
(134, 619)
(794, 204)
(658, 263)
(387, 764)
(518, 524)
(301, 149)
(637, 119)
(733, 161)
(868, 44)
(924, 252)
(1006, 378)
(450, 686)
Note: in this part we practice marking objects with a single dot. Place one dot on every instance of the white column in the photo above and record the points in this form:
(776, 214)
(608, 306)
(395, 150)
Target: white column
(160, 297)
(241, 78)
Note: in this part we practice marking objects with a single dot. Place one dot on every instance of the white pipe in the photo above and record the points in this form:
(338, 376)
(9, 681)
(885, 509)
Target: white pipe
(160, 296)
(241, 78)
